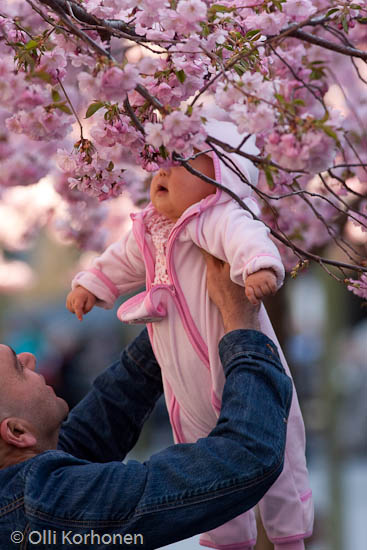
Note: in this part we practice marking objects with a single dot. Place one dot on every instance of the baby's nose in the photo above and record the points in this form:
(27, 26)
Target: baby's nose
(164, 171)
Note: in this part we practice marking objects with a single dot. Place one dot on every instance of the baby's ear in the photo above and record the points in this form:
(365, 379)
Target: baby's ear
(17, 432)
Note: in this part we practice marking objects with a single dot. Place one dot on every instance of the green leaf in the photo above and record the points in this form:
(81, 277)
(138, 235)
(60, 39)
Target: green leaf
(31, 45)
(269, 177)
(62, 107)
(251, 34)
(205, 29)
(280, 98)
(46, 77)
(163, 152)
(181, 76)
(326, 117)
(93, 108)
(218, 7)
(345, 24)
(110, 166)
(55, 96)
(299, 102)
(330, 12)
(189, 110)
(329, 131)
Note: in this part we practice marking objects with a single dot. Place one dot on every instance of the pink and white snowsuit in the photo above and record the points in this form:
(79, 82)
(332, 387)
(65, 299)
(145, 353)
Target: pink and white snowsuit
(185, 328)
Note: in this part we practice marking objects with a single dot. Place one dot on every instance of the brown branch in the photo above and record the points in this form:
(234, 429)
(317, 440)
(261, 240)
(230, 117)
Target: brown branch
(84, 17)
(313, 39)
(253, 158)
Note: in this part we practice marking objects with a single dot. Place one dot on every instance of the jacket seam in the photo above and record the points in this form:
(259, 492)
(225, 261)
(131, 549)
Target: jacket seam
(204, 496)
(150, 507)
(12, 506)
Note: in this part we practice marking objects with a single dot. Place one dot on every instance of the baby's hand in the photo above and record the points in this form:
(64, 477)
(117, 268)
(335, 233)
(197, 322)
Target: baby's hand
(80, 301)
(260, 284)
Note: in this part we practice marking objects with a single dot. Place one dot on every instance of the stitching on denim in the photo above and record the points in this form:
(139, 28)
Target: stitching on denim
(68, 522)
(12, 506)
(204, 496)
(253, 355)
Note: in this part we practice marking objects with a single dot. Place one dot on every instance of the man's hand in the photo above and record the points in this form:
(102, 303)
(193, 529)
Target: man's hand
(80, 301)
(260, 284)
(230, 299)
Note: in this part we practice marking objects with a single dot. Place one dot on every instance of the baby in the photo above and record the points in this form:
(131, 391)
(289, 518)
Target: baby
(185, 215)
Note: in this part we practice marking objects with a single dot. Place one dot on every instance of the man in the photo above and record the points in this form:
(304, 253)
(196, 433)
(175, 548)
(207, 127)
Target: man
(75, 495)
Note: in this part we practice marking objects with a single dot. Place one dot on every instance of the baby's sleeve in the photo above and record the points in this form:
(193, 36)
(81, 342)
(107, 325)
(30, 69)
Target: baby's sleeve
(230, 233)
(120, 269)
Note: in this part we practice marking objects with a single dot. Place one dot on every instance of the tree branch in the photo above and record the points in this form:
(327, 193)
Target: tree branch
(313, 39)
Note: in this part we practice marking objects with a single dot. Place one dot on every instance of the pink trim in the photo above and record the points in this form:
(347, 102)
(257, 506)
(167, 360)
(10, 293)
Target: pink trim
(102, 277)
(217, 170)
(150, 306)
(247, 545)
(306, 496)
(132, 301)
(291, 539)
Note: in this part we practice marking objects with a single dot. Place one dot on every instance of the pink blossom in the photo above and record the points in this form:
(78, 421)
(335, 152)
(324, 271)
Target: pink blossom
(359, 286)
(299, 9)
(40, 124)
(253, 121)
(117, 82)
(268, 23)
(154, 134)
(192, 11)
(54, 63)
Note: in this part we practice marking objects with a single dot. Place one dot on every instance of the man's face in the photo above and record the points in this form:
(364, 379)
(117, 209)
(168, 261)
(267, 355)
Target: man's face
(25, 394)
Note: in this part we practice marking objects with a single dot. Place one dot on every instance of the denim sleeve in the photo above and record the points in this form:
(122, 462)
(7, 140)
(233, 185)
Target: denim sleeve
(106, 424)
(187, 488)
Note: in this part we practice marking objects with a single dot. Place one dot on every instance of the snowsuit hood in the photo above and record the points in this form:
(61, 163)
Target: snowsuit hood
(227, 133)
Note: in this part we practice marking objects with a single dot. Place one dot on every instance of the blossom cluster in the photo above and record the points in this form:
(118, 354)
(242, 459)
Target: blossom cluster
(53, 82)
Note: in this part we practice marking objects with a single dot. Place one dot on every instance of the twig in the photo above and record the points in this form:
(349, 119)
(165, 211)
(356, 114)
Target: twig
(72, 108)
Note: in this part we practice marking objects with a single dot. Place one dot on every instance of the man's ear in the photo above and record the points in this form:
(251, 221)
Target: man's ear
(16, 431)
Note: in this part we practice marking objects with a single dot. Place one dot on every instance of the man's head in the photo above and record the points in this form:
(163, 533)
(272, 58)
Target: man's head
(30, 412)
(174, 189)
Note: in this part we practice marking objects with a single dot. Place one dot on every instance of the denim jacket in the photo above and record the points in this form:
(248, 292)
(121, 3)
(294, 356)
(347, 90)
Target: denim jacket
(83, 495)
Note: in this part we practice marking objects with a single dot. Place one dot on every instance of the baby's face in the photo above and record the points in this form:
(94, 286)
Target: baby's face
(174, 189)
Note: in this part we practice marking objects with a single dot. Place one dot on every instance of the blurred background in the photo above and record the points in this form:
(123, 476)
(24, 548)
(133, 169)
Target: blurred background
(321, 326)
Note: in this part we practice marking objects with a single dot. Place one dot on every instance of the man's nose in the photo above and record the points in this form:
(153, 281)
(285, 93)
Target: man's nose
(28, 360)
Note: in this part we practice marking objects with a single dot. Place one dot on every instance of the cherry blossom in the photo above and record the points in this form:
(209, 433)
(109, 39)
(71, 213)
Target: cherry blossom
(86, 103)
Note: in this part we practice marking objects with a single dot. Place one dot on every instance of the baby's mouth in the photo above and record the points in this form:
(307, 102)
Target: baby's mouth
(161, 188)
